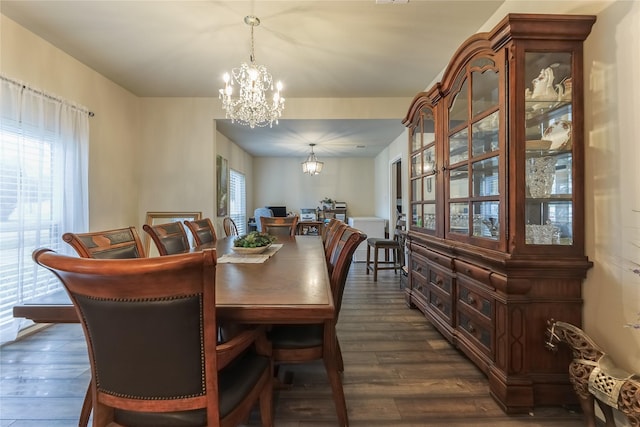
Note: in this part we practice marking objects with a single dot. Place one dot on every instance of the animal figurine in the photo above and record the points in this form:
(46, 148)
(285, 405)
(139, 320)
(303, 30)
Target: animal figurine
(594, 375)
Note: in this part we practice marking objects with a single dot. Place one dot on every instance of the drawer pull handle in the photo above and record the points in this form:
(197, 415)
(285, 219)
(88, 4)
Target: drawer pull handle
(468, 271)
(439, 282)
(470, 327)
(471, 300)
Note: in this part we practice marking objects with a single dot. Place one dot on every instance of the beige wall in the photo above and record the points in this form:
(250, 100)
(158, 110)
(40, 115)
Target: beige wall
(612, 101)
(280, 181)
(177, 156)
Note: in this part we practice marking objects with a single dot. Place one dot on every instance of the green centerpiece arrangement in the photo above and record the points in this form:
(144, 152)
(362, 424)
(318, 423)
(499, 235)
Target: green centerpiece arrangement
(254, 242)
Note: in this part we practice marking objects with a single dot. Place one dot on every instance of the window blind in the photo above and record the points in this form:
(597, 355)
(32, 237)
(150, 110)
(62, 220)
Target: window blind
(238, 200)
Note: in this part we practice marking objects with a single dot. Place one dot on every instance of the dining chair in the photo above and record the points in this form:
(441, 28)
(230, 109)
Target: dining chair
(259, 213)
(118, 243)
(150, 328)
(169, 238)
(280, 226)
(332, 240)
(308, 342)
(230, 228)
(203, 231)
(121, 243)
(328, 229)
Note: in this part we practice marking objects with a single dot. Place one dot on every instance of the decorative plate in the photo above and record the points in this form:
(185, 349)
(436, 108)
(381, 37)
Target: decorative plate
(559, 134)
(250, 251)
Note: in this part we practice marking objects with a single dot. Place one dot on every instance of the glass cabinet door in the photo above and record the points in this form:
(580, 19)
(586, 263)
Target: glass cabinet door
(423, 172)
(548, 148)
(473, 149)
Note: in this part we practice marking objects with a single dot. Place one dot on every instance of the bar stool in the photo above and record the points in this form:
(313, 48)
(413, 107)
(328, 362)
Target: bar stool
(388, 245)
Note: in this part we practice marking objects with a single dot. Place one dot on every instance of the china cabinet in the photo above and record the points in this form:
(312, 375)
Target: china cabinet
(496, 233)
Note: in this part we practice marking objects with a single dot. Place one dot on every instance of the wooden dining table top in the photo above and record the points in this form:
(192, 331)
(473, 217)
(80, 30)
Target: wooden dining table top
(292, 286)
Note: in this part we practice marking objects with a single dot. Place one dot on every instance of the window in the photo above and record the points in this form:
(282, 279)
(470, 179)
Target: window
(43, 190)
(238, 200)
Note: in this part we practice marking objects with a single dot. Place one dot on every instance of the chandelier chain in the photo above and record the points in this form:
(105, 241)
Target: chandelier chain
(253, 55)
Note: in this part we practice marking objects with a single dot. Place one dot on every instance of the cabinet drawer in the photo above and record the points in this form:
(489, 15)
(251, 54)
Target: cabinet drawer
(479, 332)
(441, 304)
(419, 285)
(436, 258)
(478, 273)
(419, 266)
(441, 279)
(475, 300)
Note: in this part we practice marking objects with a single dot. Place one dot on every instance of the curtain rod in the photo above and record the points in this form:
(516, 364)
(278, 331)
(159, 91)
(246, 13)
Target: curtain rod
(49, 96)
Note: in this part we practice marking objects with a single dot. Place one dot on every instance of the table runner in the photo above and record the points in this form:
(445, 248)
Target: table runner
(234, 258)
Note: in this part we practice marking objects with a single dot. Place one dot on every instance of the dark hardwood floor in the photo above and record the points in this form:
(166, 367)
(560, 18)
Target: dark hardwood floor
(399, 372)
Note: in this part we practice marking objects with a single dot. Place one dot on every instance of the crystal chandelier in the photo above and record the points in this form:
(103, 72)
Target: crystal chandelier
(250, 106)
(312, 166)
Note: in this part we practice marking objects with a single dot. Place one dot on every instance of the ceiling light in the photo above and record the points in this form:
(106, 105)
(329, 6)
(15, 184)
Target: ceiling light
(312, 166)
(250, 105)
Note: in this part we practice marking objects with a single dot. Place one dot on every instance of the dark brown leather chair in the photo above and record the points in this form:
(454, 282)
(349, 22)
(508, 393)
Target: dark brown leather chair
(166, 370)
(203, 231)
(230, 228)
(170, 238)
(110, 244)
(279, 226)
(304, 343)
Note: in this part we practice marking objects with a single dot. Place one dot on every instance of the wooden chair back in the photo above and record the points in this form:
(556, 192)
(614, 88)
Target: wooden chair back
(169, 366)
(110, 244)
(332, 241)
(169, 238)
(329, 229)
(341, 258)
(279, 226)
(203, 231)
(230, 228)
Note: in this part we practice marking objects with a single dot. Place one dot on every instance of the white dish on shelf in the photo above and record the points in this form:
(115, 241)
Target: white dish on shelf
(538, 144)
(559, 134)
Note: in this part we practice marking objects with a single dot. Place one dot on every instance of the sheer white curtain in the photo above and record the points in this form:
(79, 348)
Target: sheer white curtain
(44, 145)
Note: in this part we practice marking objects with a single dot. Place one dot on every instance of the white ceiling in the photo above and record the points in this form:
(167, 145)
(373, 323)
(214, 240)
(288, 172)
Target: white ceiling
(319, 49)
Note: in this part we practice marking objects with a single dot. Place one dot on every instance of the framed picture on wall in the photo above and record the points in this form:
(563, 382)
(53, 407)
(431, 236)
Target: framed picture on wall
(154, 218)
(222, 185)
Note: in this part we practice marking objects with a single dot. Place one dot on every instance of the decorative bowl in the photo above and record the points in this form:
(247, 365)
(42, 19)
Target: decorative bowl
(250, 251)
(559, 134)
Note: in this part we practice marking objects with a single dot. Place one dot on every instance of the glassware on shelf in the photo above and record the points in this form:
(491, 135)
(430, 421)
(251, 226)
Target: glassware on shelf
(545, 234)
(541, 173)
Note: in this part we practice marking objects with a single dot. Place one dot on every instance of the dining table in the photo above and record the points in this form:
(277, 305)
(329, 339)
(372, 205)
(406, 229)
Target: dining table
(291, 286)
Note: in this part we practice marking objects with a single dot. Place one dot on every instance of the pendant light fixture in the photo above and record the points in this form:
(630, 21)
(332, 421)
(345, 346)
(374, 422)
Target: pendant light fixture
(312, 166)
